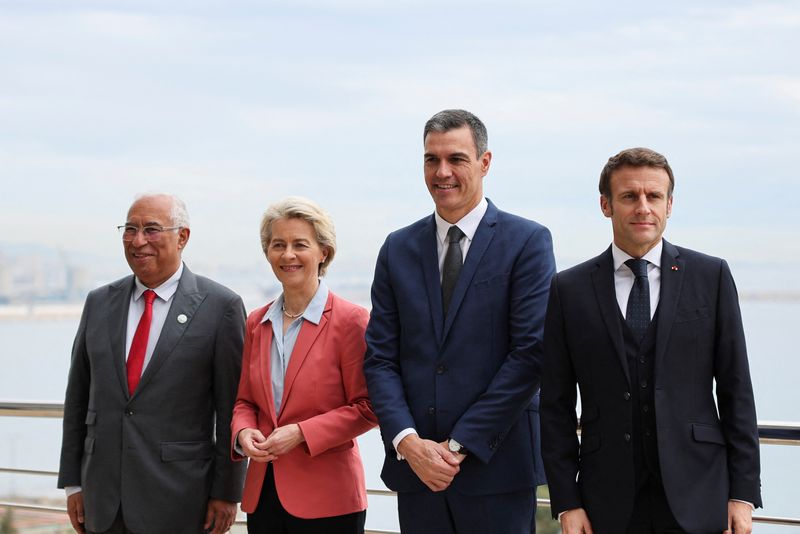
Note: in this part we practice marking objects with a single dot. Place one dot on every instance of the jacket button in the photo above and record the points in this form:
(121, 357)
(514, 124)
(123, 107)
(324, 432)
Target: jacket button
(440, 370)
(431, 410)
(129, 412)
(643, 383)
(626, 395)
(627, 437)
(645, 408)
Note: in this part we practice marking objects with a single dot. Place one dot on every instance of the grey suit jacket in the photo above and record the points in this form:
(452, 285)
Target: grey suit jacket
(162, 453)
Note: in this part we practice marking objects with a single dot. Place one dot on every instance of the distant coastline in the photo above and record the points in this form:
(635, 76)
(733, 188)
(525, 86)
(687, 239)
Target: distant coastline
(72, 310)
(50, 310)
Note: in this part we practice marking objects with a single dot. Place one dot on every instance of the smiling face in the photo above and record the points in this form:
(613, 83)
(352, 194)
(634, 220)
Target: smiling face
(453, 174)
(639, 206)
(153, 262)
(295, 254)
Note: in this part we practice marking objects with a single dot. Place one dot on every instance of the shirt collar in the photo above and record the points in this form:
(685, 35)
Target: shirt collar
(164, 291)
(312, 313)
(467, 224)
(653, 255)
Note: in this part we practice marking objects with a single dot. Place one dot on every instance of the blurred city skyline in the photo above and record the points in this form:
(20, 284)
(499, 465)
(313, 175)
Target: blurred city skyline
(233, 106)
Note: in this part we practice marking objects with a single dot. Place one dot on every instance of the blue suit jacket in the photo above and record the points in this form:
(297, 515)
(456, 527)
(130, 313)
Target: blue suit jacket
(473, 375)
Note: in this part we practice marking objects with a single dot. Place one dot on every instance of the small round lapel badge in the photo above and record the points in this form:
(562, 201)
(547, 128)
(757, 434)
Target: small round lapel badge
(182, 318)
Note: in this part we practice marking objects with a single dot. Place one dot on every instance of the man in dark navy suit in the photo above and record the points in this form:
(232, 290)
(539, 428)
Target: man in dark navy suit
(645, 330)
(454, 348)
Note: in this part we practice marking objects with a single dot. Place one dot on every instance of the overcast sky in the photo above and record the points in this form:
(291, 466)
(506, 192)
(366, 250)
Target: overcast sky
(234, 105)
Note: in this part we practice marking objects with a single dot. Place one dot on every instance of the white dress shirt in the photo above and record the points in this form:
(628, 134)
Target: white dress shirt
(161, 304)
(624, 277)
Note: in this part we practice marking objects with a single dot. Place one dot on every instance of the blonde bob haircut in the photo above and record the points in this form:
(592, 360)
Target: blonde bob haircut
(309, 211)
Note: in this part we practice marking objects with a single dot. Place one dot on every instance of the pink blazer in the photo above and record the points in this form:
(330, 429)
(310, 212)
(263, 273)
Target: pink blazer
(325, 393)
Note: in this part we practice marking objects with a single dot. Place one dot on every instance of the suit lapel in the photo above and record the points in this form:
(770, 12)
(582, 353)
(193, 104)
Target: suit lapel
(264, 332)
(480, 242)
(429, 256)
(118, 306)
(606, 294)
(186, 301)
(672, 269)
(305, 340)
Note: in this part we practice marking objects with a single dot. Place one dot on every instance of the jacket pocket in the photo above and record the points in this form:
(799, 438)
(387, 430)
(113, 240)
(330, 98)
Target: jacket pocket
(685, 316)
(707, 433)
(88, 445)
(175, 451)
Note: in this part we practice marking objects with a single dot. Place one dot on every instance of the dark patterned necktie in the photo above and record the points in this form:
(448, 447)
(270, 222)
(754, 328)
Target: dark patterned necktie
(453, 260)
(638, 311)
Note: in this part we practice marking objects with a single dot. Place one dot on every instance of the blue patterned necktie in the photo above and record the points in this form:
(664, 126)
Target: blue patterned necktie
(453, 259)
(638, 312)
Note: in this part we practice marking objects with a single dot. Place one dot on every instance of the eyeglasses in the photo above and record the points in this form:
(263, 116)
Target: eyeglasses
(151, 233)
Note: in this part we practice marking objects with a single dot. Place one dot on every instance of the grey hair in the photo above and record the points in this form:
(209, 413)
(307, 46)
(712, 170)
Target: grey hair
(309, 211)
(452, 119)
(178, 213)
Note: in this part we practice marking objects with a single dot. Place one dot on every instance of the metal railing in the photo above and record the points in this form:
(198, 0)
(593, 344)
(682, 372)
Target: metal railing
(769, 432)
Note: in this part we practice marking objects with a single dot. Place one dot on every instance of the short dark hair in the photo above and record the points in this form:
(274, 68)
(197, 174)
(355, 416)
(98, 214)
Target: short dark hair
(452, 119)
(634, 157)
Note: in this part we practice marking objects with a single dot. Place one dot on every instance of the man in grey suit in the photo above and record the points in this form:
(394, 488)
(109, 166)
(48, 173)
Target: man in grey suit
(154, 373)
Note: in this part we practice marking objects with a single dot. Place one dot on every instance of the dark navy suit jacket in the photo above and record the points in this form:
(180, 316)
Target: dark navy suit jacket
(473, 375)
(708, 451)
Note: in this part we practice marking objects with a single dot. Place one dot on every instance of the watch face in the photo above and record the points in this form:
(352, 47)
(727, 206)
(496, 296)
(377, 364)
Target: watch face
(454, 446)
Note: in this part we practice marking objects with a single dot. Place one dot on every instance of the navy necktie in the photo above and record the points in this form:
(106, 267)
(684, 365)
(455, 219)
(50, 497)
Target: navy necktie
(638, 312)
(453, 260)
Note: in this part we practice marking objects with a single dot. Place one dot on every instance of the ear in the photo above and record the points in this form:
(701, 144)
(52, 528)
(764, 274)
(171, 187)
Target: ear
(669, 206)
(183, 237)
(605, 206)
(486, 161)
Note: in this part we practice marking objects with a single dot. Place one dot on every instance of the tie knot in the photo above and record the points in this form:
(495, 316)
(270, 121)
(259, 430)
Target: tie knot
(639, 267)
(454, 234)
(149, 297)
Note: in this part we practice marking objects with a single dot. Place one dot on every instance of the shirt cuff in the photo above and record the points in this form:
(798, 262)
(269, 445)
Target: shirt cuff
(72, 490)
(564, 512)
(746, 502)
(399, 437)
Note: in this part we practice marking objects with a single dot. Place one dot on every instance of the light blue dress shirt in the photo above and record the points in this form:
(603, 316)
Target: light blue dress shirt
(283, 345)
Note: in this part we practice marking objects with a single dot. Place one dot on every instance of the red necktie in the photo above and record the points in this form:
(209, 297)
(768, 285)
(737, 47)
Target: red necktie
(139, 343)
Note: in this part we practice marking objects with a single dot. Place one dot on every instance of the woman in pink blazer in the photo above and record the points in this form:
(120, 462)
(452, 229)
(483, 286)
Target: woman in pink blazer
(302, 397)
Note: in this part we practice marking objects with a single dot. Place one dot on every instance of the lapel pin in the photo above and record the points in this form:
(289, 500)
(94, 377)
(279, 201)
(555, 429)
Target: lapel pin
(182, 318)
(674, 267)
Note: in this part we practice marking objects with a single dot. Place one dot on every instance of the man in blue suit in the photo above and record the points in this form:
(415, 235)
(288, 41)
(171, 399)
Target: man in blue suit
(454, 348)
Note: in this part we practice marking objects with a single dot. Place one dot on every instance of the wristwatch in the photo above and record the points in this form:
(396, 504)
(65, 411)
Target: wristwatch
(455, 447)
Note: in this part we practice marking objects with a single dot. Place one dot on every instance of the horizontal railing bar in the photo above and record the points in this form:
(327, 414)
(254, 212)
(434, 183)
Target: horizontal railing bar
(17, 471)
(769, 432)
(15, 408)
